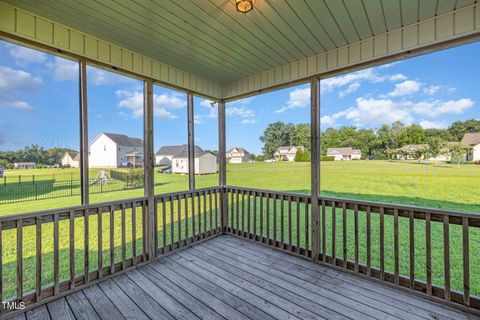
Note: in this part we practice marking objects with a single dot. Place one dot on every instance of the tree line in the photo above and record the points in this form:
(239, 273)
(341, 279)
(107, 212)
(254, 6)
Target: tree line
(378, 143)
(34, 153)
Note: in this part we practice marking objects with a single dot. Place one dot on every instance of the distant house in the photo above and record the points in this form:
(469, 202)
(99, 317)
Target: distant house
(287, 153)
(414, 152)
(111, 150)
(165, 154)
(24, 165)
(346, 154)
(237, 155)
(472, 140)
(71, 159)
(205, 162)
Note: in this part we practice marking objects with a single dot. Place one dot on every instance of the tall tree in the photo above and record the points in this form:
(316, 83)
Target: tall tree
(459, 128)
(301, 136)
(276, 135)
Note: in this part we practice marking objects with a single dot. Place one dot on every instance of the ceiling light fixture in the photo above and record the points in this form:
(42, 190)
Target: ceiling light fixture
(244, 6)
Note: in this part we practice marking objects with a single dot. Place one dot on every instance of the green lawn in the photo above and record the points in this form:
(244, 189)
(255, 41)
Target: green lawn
(443, 186)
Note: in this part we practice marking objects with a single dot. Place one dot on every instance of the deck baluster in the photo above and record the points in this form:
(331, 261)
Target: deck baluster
(466, 262)
(38, 266)
(446, 256)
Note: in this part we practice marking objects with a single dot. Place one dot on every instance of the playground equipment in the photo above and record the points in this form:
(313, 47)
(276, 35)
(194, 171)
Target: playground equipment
(103, 177)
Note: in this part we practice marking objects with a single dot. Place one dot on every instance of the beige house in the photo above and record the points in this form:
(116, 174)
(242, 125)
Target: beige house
(71, 159)
(205, 163)
(414, 152)
(24, 165)
(287, 153)
(472, 140)
(237, 155)
(346, 154)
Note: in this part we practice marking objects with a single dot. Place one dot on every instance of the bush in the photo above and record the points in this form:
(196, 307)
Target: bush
(327, 158)
(476, 162)
(302, 156)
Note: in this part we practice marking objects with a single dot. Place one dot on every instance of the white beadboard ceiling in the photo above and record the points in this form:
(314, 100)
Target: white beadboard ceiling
(209, 38)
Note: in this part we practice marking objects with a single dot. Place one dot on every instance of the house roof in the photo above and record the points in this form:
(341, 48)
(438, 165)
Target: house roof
(124, 140)
(198, 154)
(344, 151)
(471, 139)
(175, 150)
(74, 155)
(287, 150)
(241, 150)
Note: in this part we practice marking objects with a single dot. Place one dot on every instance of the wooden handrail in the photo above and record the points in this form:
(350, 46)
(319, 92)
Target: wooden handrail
(172, 214)
(360, 255)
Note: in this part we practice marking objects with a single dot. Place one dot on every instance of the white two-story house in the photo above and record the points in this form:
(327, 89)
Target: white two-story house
(111, 150)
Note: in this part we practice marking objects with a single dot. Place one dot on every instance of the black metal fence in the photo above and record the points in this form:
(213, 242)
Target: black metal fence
(48, 189)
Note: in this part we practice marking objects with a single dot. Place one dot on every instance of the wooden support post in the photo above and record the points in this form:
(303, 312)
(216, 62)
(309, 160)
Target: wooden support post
(191, 142)
(222, 163)
(84, 182)
(315, 163)
(149, 167)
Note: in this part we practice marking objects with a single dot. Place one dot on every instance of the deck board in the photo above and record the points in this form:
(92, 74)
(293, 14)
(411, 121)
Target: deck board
(232, 278)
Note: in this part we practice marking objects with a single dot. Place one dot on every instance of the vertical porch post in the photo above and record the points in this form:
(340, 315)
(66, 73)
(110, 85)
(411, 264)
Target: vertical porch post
(191, 142)
(84, 179)
(315, 164)
(222, 163)
(148, 163)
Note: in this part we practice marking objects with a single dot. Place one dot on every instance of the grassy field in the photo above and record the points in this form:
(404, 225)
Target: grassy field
(442, 186)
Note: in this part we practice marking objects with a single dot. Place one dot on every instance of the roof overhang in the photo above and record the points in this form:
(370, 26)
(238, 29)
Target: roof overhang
(210, 49)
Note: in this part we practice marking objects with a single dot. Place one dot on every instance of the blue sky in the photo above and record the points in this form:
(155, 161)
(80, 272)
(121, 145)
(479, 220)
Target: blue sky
(39, 101)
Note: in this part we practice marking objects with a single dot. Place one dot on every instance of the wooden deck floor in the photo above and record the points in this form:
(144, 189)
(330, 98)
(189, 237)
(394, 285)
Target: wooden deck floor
(229, 278)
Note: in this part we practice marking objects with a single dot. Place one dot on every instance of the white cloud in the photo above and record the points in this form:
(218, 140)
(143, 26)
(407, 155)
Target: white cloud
(405, 88)
(20, 105)
(17, 81)
(246, 115)
(371, 112)
(388, 65)
(370, 74)
(101, 77)
(248, 121)
(241, 112)
(25, 56)
(64, 69)
(241, 102)
(438, 107)
(351, 89)
(433, 89)
(326, 122)
(170, 101)
(397, 77)
(207, 103)
(13, 85)
(133, 102)
(426, 124)
(298, 98)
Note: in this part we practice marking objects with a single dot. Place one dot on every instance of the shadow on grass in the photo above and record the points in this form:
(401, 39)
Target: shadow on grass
(400, 200)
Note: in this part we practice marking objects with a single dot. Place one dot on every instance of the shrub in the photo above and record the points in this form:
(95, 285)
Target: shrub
(327, 158)
(302, 156)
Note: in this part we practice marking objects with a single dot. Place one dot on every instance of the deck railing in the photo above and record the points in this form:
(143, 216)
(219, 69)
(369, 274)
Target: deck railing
(45, 255)
(187, 217)
(420, 249)
(50, 253)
